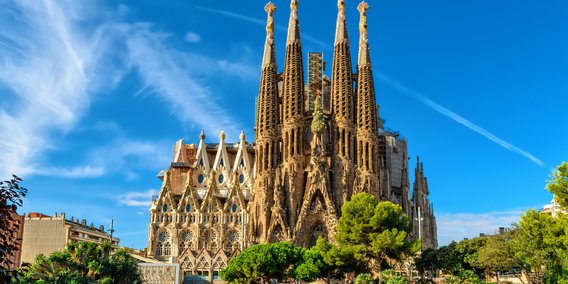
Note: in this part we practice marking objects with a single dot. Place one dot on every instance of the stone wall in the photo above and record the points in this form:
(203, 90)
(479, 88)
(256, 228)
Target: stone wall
(159, 273)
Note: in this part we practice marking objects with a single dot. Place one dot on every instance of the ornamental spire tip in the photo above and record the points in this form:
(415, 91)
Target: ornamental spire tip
(294, 5)
(270, 8)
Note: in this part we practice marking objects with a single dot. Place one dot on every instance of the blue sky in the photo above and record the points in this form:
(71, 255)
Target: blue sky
(93, 95)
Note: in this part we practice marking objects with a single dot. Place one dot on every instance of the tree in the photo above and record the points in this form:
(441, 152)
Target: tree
(311, 266)
(84, 262)
(337, 261)
(11, 197)
(262, 262)
(469, 250)
(364, 278)
(391, 277)
(374, 232)
(535, 245)
(496, 255)
(558, 184)
(464, 276)
(429, 260)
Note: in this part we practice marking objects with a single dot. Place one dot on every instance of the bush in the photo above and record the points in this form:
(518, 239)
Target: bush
(364, 278)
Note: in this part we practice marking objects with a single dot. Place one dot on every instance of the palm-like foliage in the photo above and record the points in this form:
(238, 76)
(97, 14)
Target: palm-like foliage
(83, 262)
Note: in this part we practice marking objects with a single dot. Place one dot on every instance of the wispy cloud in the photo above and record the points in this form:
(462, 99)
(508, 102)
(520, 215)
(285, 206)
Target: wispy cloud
(55, 56)
(457, 226)
(137, 199)
(261, 22)
(168, 73)
(459, 119)
(75, 172)
(192, 37)
(125, 156)
(45, 67)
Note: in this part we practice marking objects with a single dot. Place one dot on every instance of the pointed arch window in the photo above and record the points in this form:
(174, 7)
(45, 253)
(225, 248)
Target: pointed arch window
(164, 246)
(186, 241)
(232, 239)
(201, 162)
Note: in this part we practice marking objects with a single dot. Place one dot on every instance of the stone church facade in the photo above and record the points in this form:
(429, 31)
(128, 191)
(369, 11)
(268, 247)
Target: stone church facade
(305, 163)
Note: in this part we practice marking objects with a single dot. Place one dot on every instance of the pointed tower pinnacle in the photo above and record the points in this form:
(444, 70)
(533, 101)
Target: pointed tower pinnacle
(364, 57)
(268, 112)
(367, 108)
(342, 99)
(269, 56)
(267, 136)
(293, 89)
(341, 27)
(367, 116)
(293, 26)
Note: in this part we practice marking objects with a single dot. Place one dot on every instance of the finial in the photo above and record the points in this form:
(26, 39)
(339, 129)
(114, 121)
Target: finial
(363, 7)
(222, 135)
(294, 5)
(270, 8)
(243, 137)
(202, 135)
(341, 6)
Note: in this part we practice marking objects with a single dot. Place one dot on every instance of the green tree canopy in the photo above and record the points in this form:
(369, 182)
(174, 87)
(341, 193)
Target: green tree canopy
(83, 262)
(535, 244)
(262, 262)
(496, 255)
(558, 184)
(374, 232)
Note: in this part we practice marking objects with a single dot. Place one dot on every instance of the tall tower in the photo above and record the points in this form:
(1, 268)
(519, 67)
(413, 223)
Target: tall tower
(267, 134)
(426, 229)
(293, 122)
(342, 106)
(367, 131)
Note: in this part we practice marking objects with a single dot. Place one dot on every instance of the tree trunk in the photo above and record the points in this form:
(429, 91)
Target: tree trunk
(379, 271)
(328, 277)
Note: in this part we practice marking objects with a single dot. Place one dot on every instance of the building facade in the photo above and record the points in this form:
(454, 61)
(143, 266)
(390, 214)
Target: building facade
(317, 143)
(43, 234)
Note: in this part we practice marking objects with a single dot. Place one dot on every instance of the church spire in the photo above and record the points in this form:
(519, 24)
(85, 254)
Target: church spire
(268, 113)
(367, 132)
(364, 56)
(293, 88)
(343, 109)
(293, 25)
(341, 27)
(367, 108)
(269, 53)
(342, 99)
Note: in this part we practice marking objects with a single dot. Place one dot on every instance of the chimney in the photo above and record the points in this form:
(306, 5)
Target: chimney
(62, 215)
(501, 230)
(83, 223)
(101, 228)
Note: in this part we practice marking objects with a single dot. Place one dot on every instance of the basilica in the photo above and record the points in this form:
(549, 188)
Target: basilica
(318, 141)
